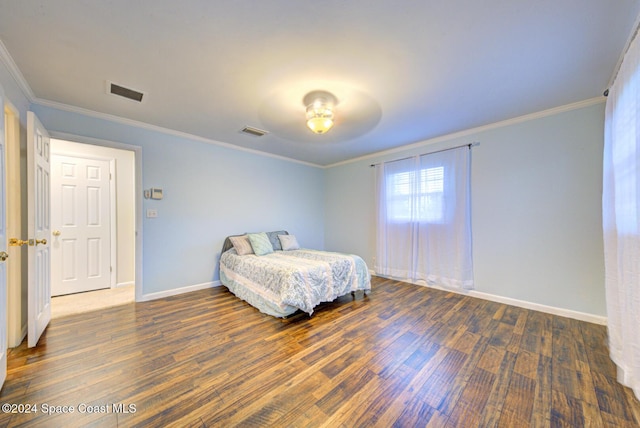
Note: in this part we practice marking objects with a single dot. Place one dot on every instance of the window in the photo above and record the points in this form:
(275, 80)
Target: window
(423, 224)
(418, 200)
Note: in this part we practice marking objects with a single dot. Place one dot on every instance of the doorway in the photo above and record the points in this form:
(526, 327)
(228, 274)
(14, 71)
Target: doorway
(17, 313)
(93, 208)
(17, 319)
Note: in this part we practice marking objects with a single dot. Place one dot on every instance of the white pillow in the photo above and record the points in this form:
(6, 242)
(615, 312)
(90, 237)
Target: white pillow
(289, 242)
(241, 244)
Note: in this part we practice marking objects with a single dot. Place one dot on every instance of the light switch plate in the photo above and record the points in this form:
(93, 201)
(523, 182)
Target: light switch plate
(152, 213)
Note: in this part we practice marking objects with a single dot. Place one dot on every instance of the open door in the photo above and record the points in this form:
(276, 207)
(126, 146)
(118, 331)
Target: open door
(3, 253)
(39, 259)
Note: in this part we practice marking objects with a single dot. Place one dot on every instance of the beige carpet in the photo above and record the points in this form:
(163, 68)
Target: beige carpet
(91, 301)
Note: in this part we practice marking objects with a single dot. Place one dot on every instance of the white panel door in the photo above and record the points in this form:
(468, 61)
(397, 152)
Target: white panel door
(81, 224)
(39, 229)
(3, 252)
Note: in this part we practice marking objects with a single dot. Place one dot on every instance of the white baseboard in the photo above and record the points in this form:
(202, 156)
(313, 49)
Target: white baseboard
(181, 290)
(568, 313)
(124, 284)
(23, 332)
(582, 316)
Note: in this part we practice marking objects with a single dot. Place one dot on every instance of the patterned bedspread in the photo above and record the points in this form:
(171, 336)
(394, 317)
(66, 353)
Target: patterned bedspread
(299, 278)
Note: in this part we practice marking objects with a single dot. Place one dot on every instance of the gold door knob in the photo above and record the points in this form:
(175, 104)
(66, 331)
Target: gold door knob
(3, 256)
(42, 241)
(56, 233)
(15, 242)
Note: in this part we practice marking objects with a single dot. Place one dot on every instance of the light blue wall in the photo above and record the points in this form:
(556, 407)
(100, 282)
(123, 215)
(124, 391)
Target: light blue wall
(536, 194)
(536, 209)
(210, 191)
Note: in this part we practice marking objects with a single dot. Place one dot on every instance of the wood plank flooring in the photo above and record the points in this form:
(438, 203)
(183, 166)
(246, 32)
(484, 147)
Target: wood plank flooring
(402, 356)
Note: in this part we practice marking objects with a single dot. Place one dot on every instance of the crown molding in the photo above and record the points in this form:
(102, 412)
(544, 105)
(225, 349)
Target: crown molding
(460, 134)
(15, 72)
(17, 76)
(472, 131)
(627, 45)
(160, 129)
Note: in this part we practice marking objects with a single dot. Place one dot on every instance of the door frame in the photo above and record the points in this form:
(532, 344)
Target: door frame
(16, 330)
(113, 236)
(137, 154)
(4, 244)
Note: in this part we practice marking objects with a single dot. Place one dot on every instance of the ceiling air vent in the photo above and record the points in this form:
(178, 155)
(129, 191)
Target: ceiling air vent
(131, 94)
(254, 131)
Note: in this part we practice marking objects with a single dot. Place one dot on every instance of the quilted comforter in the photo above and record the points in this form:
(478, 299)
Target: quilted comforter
(299, 278)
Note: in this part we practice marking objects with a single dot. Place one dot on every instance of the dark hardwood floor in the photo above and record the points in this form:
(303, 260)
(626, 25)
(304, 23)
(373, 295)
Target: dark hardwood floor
(402, 356)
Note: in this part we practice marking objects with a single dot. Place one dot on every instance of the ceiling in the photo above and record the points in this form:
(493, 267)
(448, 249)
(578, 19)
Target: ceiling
(403, 71)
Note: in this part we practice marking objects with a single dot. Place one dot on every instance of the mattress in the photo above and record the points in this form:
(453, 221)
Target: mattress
(282, 282)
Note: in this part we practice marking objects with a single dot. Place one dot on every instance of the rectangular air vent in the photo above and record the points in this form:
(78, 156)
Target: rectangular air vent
(131, 94)
(254, 131)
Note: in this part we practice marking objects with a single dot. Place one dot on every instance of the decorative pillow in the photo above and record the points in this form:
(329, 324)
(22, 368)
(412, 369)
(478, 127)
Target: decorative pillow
(289, 242)
(260, 243)
(273, 237)
(241, 244)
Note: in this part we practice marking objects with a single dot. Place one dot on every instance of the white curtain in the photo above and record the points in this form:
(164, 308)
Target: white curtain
(621, 223)
(424, 219)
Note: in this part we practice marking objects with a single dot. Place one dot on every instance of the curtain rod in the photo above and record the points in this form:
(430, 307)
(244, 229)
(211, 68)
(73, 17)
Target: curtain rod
(474, 144)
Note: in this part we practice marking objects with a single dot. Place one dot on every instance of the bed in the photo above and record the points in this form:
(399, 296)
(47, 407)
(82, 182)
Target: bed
(271, 272)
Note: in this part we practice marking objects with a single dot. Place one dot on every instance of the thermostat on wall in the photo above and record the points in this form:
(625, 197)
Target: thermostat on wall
(153, 193)
(156, 193)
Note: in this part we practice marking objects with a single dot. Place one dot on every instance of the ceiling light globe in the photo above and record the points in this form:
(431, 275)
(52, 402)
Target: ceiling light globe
(319, 125)
(319, 116)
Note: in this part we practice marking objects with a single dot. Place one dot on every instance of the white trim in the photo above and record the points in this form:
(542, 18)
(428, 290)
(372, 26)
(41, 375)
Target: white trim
(124, 284)
(473, 131)
(632, 35)
(22, 83)
(155, 128)
(181, 290)
(16, 331)
(137, 155)
(23, 333)
(8, 105)
(459, 134)
(113, 196)
(24, 86)
(581, 316)
(4, 270)
(139, 285)
(15, 72)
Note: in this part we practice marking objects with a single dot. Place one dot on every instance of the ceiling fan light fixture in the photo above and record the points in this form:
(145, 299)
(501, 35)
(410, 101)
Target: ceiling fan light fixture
(320, 112)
